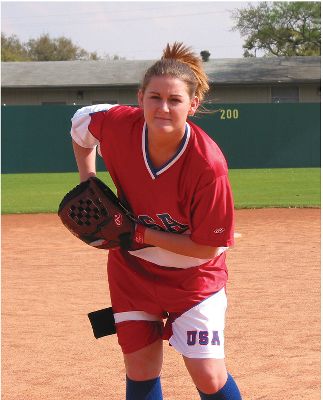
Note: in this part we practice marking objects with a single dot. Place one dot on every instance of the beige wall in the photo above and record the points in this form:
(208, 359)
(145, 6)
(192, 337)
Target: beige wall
(239, 94)
(128, 95)
(38, 96)
(310, 93)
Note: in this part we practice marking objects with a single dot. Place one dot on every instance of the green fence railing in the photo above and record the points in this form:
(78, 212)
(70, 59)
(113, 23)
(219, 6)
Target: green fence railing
(36, 138)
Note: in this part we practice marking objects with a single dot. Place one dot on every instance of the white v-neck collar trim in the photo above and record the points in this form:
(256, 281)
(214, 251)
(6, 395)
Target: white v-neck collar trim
(153, 172)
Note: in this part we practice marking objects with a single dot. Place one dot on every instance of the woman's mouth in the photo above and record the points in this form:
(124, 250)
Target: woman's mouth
(163, 118)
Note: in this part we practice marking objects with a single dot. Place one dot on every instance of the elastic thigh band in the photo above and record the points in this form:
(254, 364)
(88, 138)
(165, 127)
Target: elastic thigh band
(135, 316)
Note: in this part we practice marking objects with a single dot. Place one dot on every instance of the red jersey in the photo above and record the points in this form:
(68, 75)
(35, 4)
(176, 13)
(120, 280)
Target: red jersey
(190, 194)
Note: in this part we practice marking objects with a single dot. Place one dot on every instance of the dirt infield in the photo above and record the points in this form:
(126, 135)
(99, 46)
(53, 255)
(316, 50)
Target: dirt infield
(50, 281)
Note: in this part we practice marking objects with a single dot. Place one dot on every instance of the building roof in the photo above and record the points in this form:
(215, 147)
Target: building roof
(130, 72)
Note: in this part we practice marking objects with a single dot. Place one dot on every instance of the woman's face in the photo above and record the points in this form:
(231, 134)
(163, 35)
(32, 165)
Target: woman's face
(166, 104)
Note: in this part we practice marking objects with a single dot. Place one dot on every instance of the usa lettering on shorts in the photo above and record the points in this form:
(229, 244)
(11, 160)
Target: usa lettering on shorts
(203, 338)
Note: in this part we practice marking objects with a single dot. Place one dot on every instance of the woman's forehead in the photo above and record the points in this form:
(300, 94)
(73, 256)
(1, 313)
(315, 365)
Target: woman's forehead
(167, 84)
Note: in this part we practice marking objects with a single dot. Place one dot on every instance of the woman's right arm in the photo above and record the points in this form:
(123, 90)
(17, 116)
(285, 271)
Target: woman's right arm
(85, 142)
(86, 161)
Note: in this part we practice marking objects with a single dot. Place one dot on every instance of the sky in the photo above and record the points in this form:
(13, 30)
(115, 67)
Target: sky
(135, 30)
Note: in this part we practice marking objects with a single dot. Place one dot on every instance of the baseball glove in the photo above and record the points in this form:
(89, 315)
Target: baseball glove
(94, 214)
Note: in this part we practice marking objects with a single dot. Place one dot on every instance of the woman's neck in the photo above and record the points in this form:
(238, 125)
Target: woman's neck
(162, 147)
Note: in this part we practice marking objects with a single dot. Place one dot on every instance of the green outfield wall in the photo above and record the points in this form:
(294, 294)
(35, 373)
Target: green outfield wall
(36, 138)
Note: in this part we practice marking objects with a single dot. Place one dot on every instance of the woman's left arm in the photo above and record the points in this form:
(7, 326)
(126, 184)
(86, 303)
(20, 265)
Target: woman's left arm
(179, 244)
(211, 222)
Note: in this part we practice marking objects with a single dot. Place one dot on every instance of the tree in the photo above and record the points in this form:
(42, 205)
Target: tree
(205, 54)
(280, 28)
(60, 49)
(12, 49)
(42, 49)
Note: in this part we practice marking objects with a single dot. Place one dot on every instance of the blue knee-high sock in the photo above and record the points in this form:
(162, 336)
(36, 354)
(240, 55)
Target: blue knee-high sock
(230, 391)
(144, 390)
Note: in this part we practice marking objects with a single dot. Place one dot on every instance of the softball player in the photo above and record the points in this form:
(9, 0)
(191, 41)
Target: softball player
(175, 179)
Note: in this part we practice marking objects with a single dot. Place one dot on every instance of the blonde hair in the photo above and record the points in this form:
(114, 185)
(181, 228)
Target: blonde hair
(179, 61)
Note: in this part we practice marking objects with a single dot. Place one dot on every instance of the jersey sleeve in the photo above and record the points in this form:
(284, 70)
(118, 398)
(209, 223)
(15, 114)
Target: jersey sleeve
(87, 124)
(213, 213)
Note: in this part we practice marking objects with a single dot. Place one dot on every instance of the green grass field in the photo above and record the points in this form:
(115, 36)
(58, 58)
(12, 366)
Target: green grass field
(252, 188)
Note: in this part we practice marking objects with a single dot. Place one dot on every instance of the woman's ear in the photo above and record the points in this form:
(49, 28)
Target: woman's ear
(140, 97)
(194, 105)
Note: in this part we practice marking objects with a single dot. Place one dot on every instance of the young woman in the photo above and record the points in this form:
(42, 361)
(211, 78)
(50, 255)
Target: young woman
(175, 180)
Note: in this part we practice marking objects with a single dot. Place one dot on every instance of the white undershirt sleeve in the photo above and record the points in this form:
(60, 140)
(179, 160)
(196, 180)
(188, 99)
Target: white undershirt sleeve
(81, 121)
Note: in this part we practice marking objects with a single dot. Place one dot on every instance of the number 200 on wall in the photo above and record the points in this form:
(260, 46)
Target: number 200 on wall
(229, 113)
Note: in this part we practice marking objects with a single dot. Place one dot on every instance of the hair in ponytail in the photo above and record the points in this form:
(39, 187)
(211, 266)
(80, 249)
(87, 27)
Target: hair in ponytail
(180, 62)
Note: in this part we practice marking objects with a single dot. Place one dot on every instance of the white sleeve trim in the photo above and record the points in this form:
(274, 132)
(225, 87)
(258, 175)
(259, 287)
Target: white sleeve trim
(81, 121)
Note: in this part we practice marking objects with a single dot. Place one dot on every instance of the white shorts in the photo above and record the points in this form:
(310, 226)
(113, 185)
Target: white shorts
(199, 332)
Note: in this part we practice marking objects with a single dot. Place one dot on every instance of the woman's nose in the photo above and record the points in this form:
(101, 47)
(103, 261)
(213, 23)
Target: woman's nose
(164, 106)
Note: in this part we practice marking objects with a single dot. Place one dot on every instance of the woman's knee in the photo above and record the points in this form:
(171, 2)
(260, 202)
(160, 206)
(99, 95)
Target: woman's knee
(208, 375)
(145, 363)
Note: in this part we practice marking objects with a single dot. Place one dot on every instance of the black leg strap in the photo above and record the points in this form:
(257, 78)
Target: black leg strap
(102, 322)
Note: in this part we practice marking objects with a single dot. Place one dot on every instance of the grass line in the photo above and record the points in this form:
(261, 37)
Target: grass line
(252, 188)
